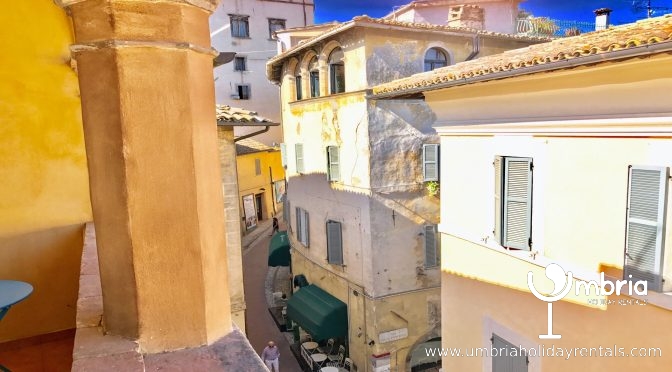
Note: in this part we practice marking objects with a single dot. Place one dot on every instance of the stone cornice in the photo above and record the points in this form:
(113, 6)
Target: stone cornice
(118, 44)
(208, 5)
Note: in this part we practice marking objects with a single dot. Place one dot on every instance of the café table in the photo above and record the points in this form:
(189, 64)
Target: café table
(319, 358)
(310, 346)
(11, 292)
(329, 369)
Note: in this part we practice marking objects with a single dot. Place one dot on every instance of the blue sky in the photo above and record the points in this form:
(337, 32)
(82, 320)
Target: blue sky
(578, 10)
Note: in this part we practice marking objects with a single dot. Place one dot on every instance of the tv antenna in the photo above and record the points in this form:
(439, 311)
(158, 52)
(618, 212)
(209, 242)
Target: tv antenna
(640, 5)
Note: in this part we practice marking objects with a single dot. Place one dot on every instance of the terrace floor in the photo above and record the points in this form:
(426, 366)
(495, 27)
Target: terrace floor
(45, 353)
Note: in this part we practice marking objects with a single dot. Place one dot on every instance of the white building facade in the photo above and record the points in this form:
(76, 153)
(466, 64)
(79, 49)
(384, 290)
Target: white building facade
(247, 28)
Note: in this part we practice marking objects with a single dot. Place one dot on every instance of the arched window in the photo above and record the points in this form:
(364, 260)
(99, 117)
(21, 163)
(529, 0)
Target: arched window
(336, 71)
(297, 82)
(314, 77)
(435, 58)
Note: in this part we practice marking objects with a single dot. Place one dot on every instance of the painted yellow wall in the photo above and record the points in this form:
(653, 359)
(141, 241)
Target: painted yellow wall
(251, 183)
(44, 195)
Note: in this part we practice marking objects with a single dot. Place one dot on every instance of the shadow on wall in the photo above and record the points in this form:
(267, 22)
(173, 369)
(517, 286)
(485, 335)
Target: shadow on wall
(50, 261)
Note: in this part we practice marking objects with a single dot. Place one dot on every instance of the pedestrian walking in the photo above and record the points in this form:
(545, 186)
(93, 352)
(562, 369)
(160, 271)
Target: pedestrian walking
(271, 356)
(276, 225)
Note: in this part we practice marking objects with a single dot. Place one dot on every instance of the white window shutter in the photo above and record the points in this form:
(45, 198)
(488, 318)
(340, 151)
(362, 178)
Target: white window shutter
(503, 360)
(334, 243)
(299, 230)
(283, 155)
(306, 229)
(645, 228)
(498, 163)
(334, 166)
(298, 152)
(431, 246)
(517, 223)
(430, 162)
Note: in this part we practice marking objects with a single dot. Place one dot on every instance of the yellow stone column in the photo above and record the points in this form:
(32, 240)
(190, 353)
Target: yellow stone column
(146, 81)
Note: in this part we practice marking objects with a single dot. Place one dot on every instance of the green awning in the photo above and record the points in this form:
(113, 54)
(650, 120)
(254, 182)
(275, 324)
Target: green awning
(278, 250)
(320, 314)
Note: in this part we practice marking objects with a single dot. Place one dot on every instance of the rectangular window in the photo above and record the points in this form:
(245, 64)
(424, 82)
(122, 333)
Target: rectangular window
(257, 167)
(508, 357)
(298, 152)
(314, 84)
(333, 164)
(645, 225)
(334, 243)
(430, 162)
(240, 64)
(283, 155)
(302, 227)
(275, 24)
(337, 78)
(243, 91)
(432, 251)
(513, 202)
(299, 88)
(240, 26)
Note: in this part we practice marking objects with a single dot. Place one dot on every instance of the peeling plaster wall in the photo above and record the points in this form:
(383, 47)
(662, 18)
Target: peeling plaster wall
(392, 55)
(400, 206)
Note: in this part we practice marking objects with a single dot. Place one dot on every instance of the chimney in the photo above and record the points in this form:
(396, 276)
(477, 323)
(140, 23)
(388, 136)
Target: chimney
(466, 16)
(602, 18)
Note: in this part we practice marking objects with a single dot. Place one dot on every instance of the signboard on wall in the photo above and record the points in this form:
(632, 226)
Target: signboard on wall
(249, 211)
(279, 191)
(393, 335)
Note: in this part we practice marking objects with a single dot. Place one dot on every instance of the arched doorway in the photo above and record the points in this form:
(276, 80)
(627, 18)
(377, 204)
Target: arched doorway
(424, 357)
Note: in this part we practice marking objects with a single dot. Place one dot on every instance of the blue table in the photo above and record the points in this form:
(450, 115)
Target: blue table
(11, 292)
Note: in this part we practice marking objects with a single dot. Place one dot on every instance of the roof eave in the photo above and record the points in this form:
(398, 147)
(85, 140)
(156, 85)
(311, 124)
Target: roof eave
(643, 50)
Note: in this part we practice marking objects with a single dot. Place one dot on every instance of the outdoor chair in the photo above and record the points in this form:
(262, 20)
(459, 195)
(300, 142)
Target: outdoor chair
(347, 364)
(338, 358)
(328, 348)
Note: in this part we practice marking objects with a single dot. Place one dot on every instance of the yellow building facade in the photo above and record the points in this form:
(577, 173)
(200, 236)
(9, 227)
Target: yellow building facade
(44, 200)
(567, 167)
(261, 180)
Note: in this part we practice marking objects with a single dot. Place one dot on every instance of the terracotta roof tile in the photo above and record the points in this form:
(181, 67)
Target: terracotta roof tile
(641, 33)
(365, 20)
(227, 114)
(250, 146)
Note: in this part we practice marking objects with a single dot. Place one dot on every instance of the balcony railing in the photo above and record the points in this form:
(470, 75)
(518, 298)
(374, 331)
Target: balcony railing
(542, 26)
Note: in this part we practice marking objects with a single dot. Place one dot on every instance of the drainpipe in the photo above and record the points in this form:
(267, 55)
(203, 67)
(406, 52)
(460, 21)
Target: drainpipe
(476, 47)
(305, 18)
(252, 134)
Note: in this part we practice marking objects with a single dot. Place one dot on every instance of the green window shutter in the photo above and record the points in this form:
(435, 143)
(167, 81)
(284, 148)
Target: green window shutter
(505, 359)
(283, 155)
(517, 214)
(299, 230)
(257, 166)
(334, 243)
(499, 207)
(645, 228)
(298, 152)
(334, 166)
(432, 253)
(430, 162)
